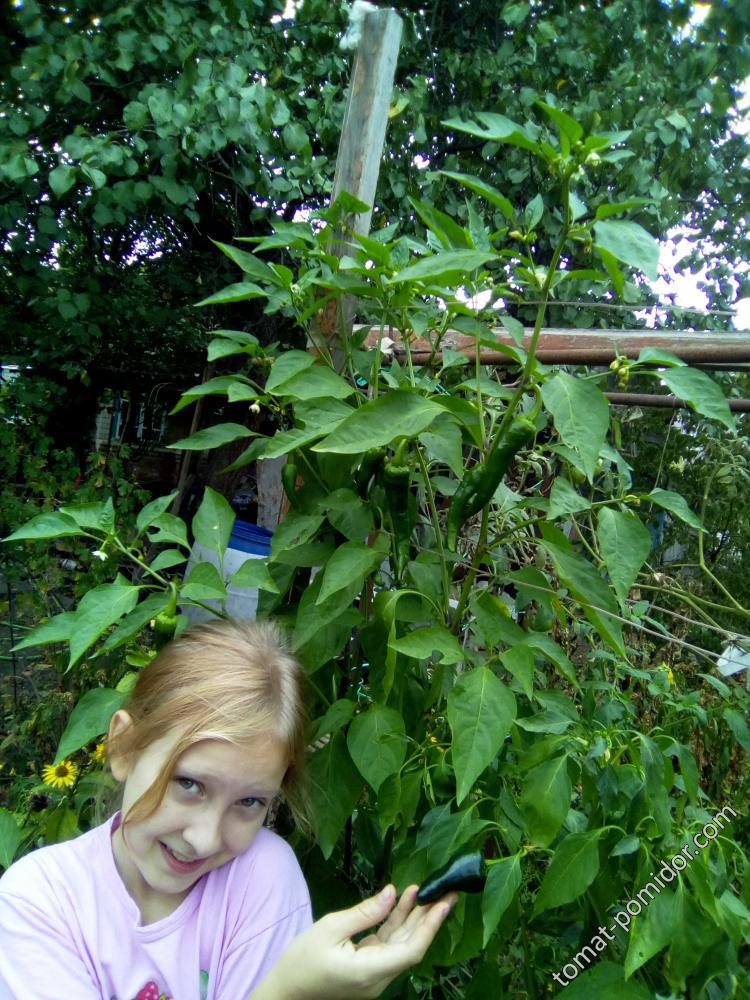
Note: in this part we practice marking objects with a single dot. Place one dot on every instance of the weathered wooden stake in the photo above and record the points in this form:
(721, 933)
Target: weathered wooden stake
(361, 151)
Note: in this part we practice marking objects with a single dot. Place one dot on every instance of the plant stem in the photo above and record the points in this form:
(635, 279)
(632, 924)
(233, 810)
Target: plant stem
(144, 566)
(435, 527)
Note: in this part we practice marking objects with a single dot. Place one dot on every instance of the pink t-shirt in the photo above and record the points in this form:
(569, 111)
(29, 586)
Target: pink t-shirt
(69, 929)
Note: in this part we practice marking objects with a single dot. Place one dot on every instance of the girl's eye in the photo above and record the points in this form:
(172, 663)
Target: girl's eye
(251, 802)
(187, 784)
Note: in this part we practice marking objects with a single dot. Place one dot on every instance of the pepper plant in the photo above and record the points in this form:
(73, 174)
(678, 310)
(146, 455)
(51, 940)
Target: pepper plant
(456, 571)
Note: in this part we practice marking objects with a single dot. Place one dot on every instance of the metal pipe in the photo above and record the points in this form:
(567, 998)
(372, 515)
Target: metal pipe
(673, 402)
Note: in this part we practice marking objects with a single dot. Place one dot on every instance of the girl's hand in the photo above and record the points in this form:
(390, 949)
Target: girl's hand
(324, 963)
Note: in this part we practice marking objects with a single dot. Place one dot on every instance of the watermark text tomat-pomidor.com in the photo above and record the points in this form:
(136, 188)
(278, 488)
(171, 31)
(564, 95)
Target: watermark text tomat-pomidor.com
(633, 907)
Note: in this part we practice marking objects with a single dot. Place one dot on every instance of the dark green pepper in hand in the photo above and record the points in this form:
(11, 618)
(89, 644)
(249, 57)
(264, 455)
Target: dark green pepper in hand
(462, 873)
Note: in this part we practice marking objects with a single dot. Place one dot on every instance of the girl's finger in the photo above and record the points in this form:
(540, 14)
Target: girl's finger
(400, 914)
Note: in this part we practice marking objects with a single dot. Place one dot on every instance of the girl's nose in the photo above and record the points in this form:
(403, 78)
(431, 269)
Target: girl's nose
(204, 834)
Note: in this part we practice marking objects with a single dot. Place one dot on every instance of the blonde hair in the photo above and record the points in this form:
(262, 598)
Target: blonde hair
(226, 680)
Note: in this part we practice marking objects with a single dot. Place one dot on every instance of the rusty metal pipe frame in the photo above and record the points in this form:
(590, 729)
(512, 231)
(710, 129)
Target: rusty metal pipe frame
(724, 358)
(666, 401)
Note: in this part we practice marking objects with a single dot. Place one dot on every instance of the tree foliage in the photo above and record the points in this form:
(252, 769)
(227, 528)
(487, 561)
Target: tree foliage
(135, 133)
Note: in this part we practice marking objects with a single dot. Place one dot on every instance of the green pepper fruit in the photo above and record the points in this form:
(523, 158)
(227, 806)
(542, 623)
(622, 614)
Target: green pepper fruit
(478, 487)
(289, 482)
(461, 873)
(368, 467)
(401, 505)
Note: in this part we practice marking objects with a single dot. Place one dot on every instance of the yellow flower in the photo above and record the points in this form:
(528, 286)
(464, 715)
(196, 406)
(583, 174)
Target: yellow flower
(670, 676)
(61, 775)
(100, 752)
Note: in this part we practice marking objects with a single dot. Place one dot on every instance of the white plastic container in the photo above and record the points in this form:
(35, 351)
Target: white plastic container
(247, 541)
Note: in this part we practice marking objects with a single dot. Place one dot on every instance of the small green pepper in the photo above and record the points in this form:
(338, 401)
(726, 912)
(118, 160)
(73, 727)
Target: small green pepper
(462, 873)
(401, 506)
(165, 623)
(289, 482)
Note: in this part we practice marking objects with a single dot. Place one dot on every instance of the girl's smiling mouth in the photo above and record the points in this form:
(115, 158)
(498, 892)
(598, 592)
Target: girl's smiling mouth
(177, 864)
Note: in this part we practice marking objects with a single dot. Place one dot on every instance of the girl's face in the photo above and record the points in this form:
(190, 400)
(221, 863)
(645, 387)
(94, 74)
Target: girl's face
(214, 805)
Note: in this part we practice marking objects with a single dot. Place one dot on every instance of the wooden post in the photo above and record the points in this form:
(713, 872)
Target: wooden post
(366, 116)
(357, 169)
(361, 150)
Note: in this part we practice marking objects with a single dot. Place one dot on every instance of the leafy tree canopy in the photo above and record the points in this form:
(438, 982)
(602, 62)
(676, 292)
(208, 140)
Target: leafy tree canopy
(136, 133)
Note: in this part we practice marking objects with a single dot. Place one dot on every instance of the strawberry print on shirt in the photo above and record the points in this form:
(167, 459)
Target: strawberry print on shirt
(151, 992)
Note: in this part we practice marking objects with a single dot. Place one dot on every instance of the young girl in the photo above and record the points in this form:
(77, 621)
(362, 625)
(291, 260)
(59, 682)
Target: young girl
(184, 894)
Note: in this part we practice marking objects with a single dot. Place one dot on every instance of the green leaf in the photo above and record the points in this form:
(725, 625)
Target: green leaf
(295, 137)
(99, 608)
(213, 437)
(249, 263)
(137, 619)
(62, 179)
(533, 212)
(701, 392)
(213, 521)
(503, 880)
(52, 525)
(203, 584)
(626, 845)
(10, 838)
(377, 743)
(55, 629)
(168, 528)
(519, 661)
(381, 421)
(443, 444)
(152, 510)
(349, 564)
(449, 233)
(491, 194)
(89, 719)
(739, 727)
(98, 515)
(255, 573)
(443, 832)
(480, 712)
(651, 931)
(605, 981)
(213, 387)
(658, 356)
(629, 243)
(290, 363)
(564, 499)
(566, 125)
(315, 383)
(677, 505)
(347, 513)
(241, 291)
(545, 799)
(321, 630)
(496, 128)
(624, 544)
(575, 865)
(581, 415)
(224, 347)
(338, 715)
(450, 264)
(296, 529)
(586, 585)
(335, 786)
(167, 559)
(421, 643)
(605, 211)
